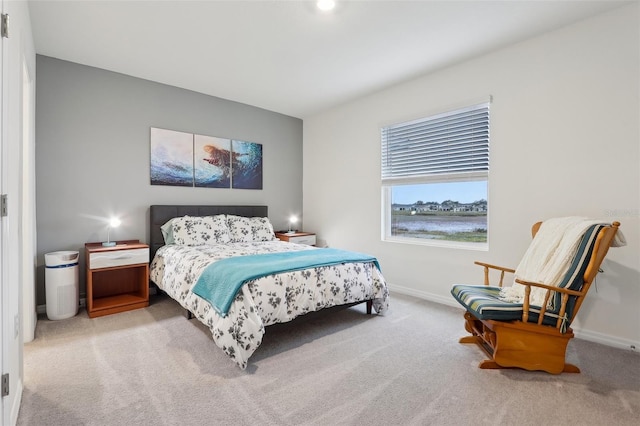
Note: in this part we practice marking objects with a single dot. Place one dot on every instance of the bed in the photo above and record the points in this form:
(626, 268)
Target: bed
(198, 243)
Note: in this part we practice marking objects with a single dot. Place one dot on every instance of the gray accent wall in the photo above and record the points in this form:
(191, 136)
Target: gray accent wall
(92, 155)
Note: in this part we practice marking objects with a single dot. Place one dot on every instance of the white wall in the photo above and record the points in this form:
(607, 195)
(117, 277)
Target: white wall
(564, 141)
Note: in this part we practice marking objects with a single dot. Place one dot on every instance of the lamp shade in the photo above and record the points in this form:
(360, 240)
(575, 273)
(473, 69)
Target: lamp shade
(292, 221)
(113, 223)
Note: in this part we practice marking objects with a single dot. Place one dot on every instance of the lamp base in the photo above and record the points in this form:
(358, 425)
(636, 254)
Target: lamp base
(108, 244)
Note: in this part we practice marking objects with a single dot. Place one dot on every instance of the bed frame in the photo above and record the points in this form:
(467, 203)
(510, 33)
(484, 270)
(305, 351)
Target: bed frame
(160, 214)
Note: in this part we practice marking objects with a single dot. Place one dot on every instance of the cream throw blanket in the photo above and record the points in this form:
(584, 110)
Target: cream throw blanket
(549, 257)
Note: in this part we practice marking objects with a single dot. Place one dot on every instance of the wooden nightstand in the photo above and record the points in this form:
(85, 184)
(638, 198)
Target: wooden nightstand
(307, 238)
(117, 277)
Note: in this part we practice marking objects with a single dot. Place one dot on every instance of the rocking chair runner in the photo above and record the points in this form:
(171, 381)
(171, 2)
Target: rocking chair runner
(525, 335)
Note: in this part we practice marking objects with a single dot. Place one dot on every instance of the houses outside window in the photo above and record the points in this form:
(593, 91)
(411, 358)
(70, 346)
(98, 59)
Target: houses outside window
(435, 173)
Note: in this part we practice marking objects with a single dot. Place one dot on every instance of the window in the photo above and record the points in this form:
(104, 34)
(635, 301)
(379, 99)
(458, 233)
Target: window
(435, 172)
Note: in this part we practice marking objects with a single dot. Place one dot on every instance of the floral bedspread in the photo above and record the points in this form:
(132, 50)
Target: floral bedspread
(264, 301)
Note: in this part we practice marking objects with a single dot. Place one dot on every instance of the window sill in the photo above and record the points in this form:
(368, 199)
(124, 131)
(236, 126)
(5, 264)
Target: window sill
(459, 245)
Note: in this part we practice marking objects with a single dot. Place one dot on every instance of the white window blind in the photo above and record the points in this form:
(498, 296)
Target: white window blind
(455, 142)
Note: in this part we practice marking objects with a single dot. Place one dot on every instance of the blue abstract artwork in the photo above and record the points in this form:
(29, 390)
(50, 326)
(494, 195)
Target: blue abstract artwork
(171, 158)
(246, 165)
(212, 162)
(186, 159)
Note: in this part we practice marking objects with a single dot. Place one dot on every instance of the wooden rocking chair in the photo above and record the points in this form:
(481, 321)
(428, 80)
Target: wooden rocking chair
(524, 335)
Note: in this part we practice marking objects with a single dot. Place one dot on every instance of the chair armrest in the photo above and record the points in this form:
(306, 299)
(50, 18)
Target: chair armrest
(550, 287)
(563, 306)
(488, 266)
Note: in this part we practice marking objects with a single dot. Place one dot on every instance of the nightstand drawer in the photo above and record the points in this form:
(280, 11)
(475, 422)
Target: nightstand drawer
(110, 259)
(303, 239)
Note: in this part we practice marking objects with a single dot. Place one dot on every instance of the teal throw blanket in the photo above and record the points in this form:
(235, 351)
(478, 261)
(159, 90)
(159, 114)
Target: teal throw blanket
(221, 281)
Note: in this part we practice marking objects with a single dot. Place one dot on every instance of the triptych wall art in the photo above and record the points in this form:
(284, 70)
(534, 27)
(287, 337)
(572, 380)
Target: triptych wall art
(186, 159)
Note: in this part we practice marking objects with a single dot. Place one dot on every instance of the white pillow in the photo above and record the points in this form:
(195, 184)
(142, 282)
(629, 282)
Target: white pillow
(167, 232)
(250, 229)
(200, 230)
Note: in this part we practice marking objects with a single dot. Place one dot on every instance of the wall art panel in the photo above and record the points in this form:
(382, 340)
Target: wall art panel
(186, 159)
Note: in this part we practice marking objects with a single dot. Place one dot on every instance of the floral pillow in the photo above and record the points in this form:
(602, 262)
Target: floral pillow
(250, 229)
(197, 231)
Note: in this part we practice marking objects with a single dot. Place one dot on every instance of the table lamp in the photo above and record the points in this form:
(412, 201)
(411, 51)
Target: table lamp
(113, 223)
(292, 220)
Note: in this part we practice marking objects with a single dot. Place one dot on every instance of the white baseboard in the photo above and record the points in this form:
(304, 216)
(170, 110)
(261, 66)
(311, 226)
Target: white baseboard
(591, 336)
(605, 339)
(449, 301)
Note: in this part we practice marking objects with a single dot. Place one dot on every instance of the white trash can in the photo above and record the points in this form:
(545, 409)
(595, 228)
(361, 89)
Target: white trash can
(61, 284)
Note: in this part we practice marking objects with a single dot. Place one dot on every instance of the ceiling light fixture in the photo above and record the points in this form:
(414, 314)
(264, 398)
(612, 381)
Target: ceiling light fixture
(326, 5)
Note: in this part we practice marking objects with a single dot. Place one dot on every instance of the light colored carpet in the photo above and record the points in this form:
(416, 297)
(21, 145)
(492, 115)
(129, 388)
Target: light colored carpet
(154, 367)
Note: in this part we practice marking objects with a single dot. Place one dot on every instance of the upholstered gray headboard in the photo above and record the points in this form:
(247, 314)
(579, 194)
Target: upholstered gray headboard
(159, 215)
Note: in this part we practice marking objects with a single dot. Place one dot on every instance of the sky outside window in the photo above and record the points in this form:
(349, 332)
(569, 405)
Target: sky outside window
(462, 192)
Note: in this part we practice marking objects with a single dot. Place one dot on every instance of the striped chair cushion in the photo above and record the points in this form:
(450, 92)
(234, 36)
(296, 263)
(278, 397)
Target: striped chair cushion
(574, 278)
(484, 303)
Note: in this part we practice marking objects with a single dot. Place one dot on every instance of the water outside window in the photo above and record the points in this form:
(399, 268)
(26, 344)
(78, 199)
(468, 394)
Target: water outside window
(452, 211)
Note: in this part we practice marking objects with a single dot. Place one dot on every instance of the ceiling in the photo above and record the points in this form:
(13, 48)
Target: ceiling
(286, 56)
